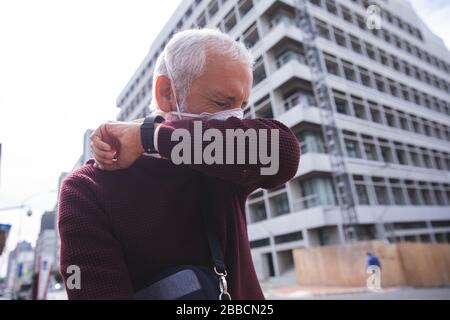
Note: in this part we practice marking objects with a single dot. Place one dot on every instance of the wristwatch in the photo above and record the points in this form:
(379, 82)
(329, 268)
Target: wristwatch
(147, 132)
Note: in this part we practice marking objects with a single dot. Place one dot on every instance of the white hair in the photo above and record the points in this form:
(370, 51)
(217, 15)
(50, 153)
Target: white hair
(185, 56)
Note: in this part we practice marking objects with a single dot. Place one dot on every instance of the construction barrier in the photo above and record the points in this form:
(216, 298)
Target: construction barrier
(403, 264)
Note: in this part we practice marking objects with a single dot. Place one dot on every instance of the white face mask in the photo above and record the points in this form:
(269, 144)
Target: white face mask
(221, 115)
(178, 115)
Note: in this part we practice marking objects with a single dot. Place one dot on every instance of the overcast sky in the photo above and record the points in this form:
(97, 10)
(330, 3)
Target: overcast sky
(62, 65)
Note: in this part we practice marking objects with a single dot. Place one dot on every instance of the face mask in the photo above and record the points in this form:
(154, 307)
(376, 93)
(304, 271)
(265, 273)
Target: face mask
(221, 115)
(178, 115)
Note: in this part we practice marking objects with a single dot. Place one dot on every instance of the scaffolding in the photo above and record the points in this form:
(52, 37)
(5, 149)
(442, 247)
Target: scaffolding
(332, 136)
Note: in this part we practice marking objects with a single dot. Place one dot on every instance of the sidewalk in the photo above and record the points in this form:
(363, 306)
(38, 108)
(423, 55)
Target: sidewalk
(299, 292)
(286, 287)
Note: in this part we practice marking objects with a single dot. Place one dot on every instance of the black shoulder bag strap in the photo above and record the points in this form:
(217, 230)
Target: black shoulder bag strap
(213, 241)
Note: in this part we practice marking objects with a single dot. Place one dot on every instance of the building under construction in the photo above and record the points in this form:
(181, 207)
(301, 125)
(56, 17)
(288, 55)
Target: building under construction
(366, 89)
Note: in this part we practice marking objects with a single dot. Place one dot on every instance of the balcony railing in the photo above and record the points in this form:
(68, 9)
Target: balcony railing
(280, 19)
(311, 201)
(306, 202)
(288, 56)
(305, 100)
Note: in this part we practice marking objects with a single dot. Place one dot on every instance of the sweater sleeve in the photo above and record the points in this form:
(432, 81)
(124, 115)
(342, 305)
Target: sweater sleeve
(87, 242)
(247, 175)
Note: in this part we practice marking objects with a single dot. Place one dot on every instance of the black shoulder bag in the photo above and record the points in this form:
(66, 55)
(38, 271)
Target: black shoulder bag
(193, 282)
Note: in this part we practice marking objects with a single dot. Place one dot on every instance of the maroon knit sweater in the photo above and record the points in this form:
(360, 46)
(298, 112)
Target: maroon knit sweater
(123, 227)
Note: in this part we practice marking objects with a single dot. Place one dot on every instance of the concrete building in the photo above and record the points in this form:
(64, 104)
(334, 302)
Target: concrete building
(20, 270)
(391, 100)
(0, 163)
(4, 232)
(87, 154)
(45, 255)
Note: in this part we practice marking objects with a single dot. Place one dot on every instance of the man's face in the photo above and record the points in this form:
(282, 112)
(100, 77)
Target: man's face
(224, 85)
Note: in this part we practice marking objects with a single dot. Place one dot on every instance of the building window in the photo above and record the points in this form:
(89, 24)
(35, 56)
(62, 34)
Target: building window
(370, 150)
(379, 83)
(332, 65)
(407, 68)
(383, 58)
(331, 7)
(447, 191)
(259, 71)
(365, 77)
(339, 37)
(323, 30)
(417, 125)
(359, 109)
(257, 212)
(288, 237)
(311, 142)
(188, 13)
(397, 192)
(386, 151)
(404, 123)
(260, 243)
(426, 128)
(201, 20)
(352, 148)
(438, 161)
(439, 196)
(390, 117)
(346, 14)
(213, 7)
(230, 20)
(381, 191)
(361, 190)
(412, 193)
(370, 51)
(361, 21)
(393, 87)
(401, 154)
(251, 36)
(426, 158)
(414, 156)
(341, 102)
(244, 7)
(316, 191)
(396, 63)
(280, 205)
(349, 71)
(356, 45)
(426, 193)
(375, 113)
(386, 36)
(410, 225)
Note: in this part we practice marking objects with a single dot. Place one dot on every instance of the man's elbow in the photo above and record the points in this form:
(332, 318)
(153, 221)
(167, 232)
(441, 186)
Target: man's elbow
(284, 164)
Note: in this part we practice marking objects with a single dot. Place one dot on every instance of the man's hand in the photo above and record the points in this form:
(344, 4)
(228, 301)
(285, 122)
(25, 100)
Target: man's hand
(116, 145)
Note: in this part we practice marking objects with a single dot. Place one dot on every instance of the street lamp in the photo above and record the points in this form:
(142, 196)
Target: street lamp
(29, 211)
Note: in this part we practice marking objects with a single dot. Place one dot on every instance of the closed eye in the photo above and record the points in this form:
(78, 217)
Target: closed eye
(221, 104)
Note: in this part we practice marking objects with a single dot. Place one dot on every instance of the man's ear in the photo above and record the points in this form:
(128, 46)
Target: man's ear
(164, 95)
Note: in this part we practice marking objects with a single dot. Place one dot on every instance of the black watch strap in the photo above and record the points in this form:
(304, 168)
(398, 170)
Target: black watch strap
(147, 132)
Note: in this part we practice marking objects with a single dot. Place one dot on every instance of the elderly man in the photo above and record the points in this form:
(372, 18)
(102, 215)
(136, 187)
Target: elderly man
(133, 212)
